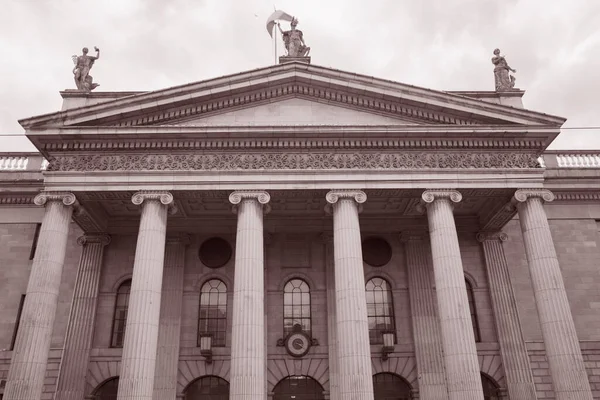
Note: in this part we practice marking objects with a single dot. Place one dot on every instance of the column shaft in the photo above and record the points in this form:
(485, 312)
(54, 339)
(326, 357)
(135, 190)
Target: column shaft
(354, 352)
(78, 340)
(332, 332)
(167, 356)
(515, 359)
(138, 362)
(248, 353)
(558, 330)
(30, 356)
(426, 327)
(463, 376)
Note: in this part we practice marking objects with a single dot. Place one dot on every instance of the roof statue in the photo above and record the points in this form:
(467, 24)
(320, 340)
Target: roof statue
(81, 71)
(293, 38)
(504, 81)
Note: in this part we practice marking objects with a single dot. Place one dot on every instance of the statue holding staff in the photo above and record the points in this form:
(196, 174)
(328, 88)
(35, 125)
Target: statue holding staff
(294, 40)
(81, 71)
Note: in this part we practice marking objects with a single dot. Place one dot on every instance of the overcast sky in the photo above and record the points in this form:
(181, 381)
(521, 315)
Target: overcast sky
(441, 44)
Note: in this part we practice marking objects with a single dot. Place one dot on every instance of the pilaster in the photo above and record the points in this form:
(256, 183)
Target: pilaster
(78, 340)
(138, 362)
(27, 370)
(519, 378)
(354, 352)
(558, 330)
(248, 352)
(458, 341)
(426, 326)
(327, 239)
(167, 356)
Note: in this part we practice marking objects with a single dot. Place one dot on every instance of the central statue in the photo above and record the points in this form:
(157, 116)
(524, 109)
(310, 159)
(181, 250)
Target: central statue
(294, 40)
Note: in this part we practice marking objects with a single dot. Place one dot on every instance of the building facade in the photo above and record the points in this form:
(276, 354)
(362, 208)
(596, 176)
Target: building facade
(298, 232)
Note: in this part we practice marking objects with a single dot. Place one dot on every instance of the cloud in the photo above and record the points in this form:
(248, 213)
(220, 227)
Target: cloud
(440, 44)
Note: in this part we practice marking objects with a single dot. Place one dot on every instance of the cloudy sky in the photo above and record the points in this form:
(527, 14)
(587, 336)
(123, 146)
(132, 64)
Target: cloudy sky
(438, 44)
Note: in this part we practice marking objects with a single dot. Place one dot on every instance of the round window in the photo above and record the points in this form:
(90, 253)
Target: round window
(376, 251)
(215, 252)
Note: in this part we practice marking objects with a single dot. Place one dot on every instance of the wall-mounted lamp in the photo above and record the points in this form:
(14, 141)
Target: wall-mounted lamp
(206, 347)
(388, 345)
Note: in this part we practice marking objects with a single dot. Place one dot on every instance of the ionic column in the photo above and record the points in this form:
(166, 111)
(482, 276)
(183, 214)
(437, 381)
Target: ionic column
(78, 340)
(248, 352)
(426, 326)
(167, 356)
(558, 330)
(458, 341)
(138, 362)
(30, 356)
(354, 352)
(515, 359)
(334, 387)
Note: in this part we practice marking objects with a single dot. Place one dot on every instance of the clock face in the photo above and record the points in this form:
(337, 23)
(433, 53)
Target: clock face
(297, 344)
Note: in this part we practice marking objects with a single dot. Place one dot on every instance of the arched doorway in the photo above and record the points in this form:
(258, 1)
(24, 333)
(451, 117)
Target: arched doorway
(298, 387)
(107, 390)
(208, 388)
(387, 386)
(490, 388)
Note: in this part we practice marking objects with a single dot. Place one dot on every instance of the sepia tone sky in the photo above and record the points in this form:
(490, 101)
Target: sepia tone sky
(440, 44)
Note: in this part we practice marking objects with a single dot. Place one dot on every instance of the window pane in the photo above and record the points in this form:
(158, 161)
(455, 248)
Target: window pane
(120, 315)
(380, 309)
(296, 306)
(212, 316)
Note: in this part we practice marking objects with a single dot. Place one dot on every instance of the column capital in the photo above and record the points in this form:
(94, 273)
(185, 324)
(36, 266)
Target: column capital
(326, 237)
(164, 197)
(333, 196)
(429, 196)
(100, 238)
(67, 198)
(183, 239)
(491, 236)
(414, 236)
(522, 195)
(261, 196)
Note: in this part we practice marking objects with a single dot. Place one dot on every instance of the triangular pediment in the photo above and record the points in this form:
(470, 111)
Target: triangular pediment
(294, 111)
(290, 94)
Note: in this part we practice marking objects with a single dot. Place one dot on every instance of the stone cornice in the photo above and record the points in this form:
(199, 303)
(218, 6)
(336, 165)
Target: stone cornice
(576, 196)
(16, 200)
(262, 160)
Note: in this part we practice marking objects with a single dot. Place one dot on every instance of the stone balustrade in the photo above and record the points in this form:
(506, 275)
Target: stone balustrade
(570, 159)
(22, 162)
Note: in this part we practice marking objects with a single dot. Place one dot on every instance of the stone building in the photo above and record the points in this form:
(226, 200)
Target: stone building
(386, 242)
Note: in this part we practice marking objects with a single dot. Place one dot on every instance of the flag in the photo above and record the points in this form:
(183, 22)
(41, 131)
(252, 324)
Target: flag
(277, 15)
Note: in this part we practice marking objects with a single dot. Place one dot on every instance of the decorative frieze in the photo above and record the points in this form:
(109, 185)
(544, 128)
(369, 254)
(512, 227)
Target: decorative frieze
(291, 161)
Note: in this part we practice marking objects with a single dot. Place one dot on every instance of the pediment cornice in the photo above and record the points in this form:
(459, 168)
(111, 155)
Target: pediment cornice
(173, 105)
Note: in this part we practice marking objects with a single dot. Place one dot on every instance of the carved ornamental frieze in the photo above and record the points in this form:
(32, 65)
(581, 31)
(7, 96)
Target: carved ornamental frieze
(234, 161)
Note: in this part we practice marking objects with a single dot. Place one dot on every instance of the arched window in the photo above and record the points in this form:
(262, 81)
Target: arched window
(296, 306)
(380, 309)
(208, 387)
(473, 311)
(490, 388)
(298, 387)
(390, 386)
(212, 318)
(107, 390)
(120, 317)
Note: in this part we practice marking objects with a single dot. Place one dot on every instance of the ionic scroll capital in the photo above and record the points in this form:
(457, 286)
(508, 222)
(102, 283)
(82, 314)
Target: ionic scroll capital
(522, 195)
(165, 198)
(491, 236)
(100, 238)
(67, 198)
(333, 196)
(261, 196)
(429, 196)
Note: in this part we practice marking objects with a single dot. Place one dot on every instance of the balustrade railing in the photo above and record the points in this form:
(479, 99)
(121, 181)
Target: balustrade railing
(571, 159)
(22, 162)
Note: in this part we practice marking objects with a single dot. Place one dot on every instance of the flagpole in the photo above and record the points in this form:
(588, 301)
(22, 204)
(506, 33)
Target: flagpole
(275, 40)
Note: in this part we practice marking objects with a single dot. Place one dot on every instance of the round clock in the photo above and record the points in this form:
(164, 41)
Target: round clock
(297, 344)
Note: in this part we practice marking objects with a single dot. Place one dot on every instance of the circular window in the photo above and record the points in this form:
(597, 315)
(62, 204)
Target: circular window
(376, 251)
(215, 252)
